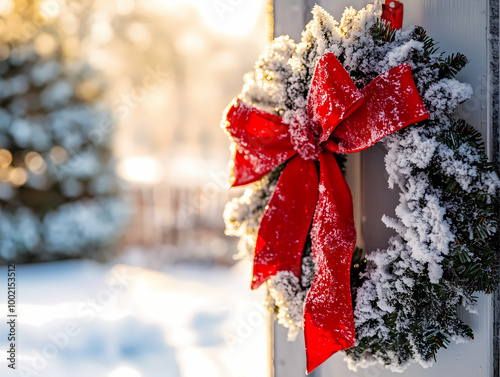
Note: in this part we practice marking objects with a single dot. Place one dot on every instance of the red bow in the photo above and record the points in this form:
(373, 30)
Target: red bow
(339, 119)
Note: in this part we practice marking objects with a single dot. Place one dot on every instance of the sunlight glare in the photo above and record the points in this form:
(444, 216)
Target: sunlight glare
(6, 7)
(233, 17)
(124, 7)
(140, 170)
(125, 371)
(39, 315)
(50, 9)
(204, 365)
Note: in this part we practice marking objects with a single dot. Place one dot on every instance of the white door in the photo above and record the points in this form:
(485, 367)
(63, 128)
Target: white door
(466, 26)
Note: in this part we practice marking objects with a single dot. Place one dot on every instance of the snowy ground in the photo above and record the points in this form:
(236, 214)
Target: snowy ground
(84, 319)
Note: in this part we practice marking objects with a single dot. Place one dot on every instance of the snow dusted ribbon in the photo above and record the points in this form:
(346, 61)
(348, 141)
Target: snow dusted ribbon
(339, 119)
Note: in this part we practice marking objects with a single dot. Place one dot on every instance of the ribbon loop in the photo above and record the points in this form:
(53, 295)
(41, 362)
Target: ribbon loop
(333, 95)
(391, 102)
(262, 142)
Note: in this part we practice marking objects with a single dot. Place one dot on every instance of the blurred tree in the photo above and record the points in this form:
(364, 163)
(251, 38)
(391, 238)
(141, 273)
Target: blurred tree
(58, 192)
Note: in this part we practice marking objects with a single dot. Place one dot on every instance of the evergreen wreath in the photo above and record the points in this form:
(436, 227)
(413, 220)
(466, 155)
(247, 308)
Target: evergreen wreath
(406, 297)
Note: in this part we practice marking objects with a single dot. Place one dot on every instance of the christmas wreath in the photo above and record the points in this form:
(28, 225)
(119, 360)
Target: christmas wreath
(344, 87)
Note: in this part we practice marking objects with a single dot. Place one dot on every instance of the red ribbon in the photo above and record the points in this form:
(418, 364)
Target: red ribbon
(392, 11)
(339, 119)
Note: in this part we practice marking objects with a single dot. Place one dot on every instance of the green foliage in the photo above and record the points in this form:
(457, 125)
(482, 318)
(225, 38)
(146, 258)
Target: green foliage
(448, 67)
(472, 263)
(473, 258)
(451, 65)
(381, 32)
(419, 34)
(66, 206)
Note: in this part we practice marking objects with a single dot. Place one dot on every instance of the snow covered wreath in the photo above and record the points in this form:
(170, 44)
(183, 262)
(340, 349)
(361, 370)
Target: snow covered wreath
(343, 88)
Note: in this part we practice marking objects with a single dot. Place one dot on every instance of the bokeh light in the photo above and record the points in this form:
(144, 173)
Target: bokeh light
(5, 158)
(6, 6)
(58, 154)
(124, 7)
(5, 173)
(18, 176)
(35, 162)
(45, 44)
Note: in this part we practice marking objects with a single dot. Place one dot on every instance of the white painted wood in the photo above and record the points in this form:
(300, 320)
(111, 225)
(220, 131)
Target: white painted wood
(354, 178)
(288, 357)
(460, 26)
(289, 18)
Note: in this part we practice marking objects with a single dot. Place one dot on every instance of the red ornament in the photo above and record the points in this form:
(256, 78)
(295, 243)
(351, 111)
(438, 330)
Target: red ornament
(392, 11)
(339, 119)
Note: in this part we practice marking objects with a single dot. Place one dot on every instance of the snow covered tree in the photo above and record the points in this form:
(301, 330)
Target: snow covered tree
(58, 191)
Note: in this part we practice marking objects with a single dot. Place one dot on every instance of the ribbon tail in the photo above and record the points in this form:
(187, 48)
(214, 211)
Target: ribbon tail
(328, 314)
(286, 222)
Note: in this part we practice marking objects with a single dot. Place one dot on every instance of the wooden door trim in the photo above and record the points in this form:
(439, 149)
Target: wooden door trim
(494, 147)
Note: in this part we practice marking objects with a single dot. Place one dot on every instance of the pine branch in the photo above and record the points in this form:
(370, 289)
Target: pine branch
(451, 65)
(381, 32)
(430, 48)
(473, 258)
